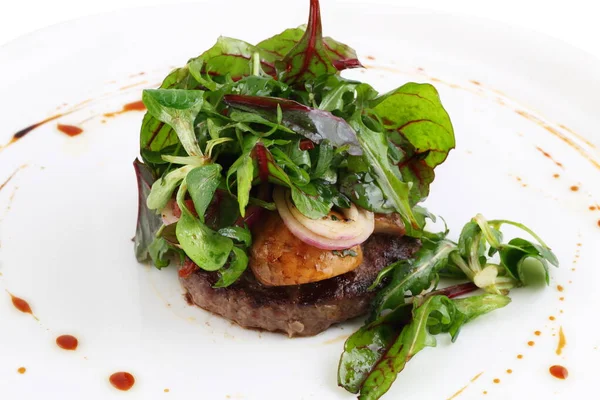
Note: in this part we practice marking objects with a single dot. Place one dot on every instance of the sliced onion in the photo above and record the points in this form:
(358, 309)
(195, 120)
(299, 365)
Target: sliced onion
(349, 227)
(167, 214)
(313, 239)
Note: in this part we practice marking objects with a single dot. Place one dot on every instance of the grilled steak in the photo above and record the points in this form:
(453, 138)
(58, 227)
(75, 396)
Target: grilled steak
(300, 310)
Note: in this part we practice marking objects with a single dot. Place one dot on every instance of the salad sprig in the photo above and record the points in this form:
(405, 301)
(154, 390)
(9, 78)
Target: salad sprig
(409, 310)
(221, 131)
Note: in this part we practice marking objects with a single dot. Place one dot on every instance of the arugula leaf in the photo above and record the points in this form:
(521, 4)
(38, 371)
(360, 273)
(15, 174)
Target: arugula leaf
(313, 124)
(237, 266)
(475, 306)
(298, 175)
(178, 108)
(374, 145)
(202, 182)
(522, 262)
(414, 112)
(362, 189)
(308, 58)
(148, 222)
(324, 157)
(413, 276)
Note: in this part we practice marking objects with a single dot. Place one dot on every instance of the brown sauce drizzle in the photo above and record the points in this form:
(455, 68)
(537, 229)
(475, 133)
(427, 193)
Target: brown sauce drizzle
(558, 371)
(546, 154)
(135, 106)
(21, 370)
(67, 342)
(122, 380)
(69, 130)
(583, 152)
(562, 342)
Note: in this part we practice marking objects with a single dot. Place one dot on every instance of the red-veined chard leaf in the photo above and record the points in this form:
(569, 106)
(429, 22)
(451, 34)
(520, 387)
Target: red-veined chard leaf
(308, 58)
(341, 55)
(437, 314)
(316, 125)
(414, 113)
(364, 348)
(148, 221)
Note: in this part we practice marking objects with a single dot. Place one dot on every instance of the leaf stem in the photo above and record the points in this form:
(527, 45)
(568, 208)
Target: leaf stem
(518, 225)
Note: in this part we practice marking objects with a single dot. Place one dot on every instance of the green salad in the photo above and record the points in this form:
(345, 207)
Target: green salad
(246, 129)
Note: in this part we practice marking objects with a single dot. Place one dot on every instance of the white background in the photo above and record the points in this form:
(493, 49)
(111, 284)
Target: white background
(573, 21)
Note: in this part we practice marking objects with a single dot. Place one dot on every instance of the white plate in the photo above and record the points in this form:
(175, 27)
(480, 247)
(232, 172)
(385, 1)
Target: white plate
(67, 217)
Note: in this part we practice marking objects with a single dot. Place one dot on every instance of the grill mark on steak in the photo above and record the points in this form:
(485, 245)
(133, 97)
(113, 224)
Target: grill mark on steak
(301, 310)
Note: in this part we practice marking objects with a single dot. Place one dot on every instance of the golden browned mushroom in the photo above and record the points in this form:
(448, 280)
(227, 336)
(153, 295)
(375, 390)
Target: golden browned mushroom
(389, 223)
(278, 258)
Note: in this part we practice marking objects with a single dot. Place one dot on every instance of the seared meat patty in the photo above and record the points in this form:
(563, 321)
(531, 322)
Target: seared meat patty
(300, 310)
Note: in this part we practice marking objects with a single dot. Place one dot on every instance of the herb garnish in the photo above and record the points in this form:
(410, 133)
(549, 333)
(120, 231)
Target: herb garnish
(241, 118)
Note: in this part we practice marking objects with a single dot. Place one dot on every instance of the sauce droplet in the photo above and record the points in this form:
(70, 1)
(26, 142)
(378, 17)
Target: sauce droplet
(559, 372)
(556, 176)
(485, 392)
(22, 370)
(599, 222)
(560, 288)
(67, 342)
(537, 333)
(21, 305)
(519, 356)
(562, 342)
(496, 380)
(509, 371)
(166, 390)
(592, 208)
(531, 343)
(135, 106)
(122, 380)
(551, 318)
(574, 188)
(69, 130)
